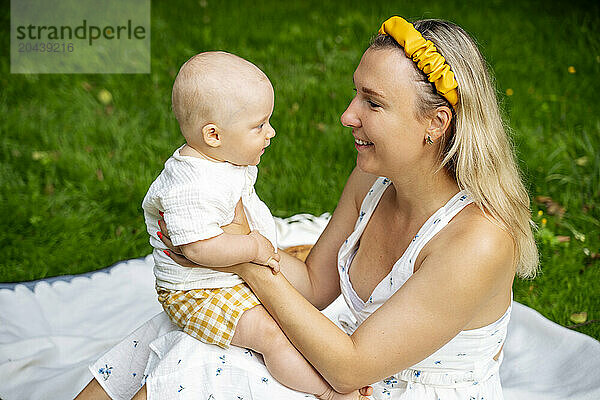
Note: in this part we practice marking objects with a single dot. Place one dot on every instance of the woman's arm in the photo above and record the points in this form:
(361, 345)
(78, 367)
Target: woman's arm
(436, 303)
(322, 282)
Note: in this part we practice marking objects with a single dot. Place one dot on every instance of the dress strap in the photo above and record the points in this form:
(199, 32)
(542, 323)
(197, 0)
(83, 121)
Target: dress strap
(348, 248)
(371, 200)
(435, 223)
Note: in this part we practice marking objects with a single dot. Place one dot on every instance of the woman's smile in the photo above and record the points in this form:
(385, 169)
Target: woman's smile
(362, 144)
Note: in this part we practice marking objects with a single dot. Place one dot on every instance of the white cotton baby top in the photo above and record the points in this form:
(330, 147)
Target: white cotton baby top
(464, 368)
(198, 197)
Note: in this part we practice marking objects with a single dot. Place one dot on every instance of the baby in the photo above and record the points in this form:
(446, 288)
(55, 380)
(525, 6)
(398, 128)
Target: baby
(223, 104)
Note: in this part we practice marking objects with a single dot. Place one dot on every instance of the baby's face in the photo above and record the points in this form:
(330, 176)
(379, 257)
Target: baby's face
(248, 131)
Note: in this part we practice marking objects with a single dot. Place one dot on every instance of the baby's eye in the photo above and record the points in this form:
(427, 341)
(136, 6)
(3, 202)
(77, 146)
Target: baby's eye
(261, 125)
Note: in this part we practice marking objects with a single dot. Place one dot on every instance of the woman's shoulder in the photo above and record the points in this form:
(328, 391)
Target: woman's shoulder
(480, 242)
(475, 224)
(474, 256)
(359, 183)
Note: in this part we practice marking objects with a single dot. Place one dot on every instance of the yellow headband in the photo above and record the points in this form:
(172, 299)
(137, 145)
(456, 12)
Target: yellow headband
(424, 53)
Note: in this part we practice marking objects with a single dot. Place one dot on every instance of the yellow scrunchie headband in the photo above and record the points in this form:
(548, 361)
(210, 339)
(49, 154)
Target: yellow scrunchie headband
(424, 54)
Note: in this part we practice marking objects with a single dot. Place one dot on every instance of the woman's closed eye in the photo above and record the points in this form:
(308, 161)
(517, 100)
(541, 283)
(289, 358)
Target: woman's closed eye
(372, 104)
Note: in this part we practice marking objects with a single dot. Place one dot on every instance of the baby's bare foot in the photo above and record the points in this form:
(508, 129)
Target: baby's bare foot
(331, 394)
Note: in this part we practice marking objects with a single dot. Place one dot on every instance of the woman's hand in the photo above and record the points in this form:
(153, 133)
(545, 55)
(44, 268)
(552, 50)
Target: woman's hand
(174, 251)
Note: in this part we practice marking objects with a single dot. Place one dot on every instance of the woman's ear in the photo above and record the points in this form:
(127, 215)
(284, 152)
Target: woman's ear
(211, 135)
(439, 123)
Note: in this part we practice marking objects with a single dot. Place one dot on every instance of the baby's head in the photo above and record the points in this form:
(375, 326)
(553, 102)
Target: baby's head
(223, 104)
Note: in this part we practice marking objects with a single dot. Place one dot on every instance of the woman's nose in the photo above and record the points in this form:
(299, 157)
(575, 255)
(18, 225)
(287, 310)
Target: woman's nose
(349, 117)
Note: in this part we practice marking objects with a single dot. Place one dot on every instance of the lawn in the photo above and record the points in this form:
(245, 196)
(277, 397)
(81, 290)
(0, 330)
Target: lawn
(78, 152)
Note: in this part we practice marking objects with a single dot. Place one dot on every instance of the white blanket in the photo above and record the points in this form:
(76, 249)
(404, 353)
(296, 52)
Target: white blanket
(51, 330)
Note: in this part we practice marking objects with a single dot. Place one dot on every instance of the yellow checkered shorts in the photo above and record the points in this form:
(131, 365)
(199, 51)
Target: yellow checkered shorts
(209, 315)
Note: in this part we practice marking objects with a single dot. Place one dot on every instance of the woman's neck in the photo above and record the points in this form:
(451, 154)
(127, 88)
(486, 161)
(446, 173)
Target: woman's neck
(420, 195)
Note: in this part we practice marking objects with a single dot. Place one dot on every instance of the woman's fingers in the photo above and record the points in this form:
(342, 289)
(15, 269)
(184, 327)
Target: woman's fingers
(163, 235)
(165, 239)
(163, 227)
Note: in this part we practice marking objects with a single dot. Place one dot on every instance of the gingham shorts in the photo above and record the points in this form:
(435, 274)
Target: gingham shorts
(209, 315)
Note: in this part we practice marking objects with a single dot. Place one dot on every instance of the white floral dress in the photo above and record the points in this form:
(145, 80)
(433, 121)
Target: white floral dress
(174, 365)
(464, 368)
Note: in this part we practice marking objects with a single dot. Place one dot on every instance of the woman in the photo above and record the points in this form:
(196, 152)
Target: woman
(428, 234)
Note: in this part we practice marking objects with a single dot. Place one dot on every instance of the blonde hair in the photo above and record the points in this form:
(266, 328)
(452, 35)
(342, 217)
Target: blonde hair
(476, 148)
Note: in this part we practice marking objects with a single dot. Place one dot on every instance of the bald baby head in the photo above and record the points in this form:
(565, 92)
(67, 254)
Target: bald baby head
(213, 87)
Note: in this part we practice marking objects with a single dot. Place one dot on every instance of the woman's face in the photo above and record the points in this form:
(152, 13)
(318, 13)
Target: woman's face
(382, 115)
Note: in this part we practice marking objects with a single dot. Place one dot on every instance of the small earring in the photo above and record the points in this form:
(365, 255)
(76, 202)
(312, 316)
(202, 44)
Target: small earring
(428, 140)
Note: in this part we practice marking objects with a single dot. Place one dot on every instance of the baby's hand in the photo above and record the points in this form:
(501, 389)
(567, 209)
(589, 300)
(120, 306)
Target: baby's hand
(265, 253)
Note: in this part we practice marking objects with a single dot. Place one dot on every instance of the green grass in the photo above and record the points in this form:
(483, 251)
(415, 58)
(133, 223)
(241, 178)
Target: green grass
(73, 172)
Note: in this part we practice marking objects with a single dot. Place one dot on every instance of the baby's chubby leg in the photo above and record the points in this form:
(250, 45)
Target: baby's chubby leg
(258, 331)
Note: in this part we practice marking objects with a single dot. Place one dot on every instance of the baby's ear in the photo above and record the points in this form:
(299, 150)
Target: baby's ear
(211, 135)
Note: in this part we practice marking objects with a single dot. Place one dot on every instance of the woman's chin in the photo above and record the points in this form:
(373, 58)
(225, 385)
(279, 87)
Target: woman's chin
(365, 165)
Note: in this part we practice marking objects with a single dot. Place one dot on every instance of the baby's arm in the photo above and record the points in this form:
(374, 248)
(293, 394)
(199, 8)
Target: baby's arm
(226, 249)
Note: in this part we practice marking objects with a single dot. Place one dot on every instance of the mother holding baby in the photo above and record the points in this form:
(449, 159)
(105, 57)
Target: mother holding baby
(430, 230)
